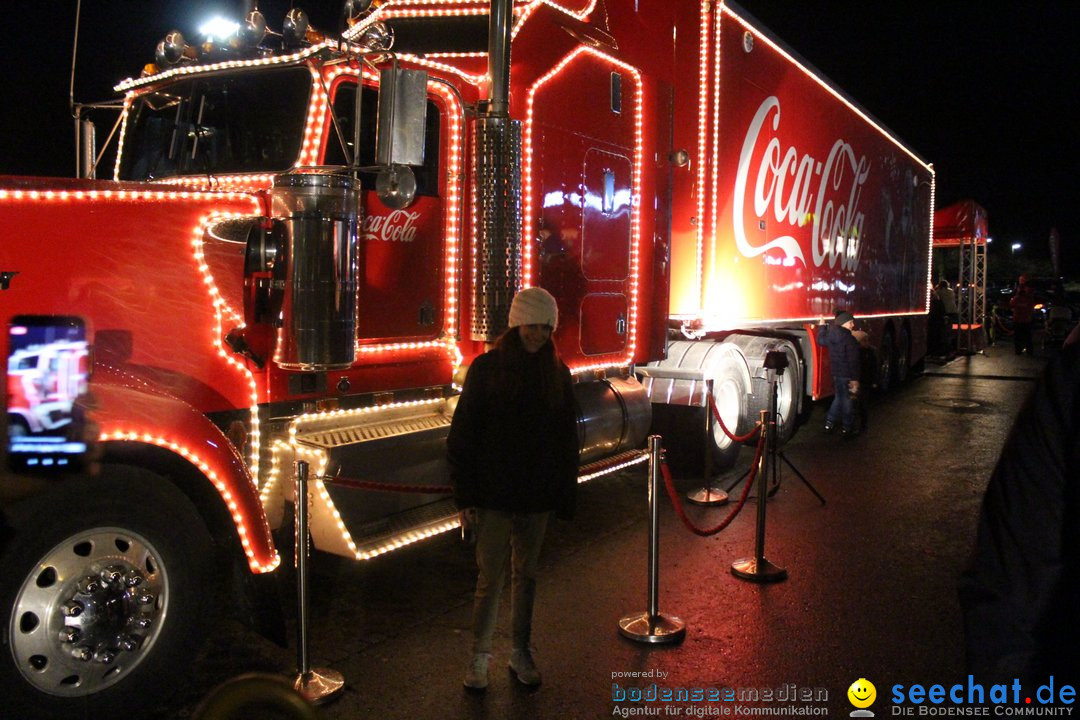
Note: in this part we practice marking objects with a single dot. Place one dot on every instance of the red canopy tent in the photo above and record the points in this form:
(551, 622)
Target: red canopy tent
(964, 226)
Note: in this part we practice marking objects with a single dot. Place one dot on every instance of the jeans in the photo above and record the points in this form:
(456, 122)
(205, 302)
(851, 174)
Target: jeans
(506, 539)
(841, 408)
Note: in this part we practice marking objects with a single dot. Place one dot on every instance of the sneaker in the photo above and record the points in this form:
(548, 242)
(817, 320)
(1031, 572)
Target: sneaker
(849, 432)
(476, 677)
(521, 663)
(829, 427)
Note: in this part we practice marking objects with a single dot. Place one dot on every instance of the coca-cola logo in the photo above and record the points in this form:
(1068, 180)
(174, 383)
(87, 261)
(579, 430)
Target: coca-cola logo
(398, 226)
(784, 183)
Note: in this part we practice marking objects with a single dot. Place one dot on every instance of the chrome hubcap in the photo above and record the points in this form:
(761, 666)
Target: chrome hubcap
(89, 611)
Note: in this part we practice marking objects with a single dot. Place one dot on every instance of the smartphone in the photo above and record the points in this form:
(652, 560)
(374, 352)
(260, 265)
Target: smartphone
(48, 369)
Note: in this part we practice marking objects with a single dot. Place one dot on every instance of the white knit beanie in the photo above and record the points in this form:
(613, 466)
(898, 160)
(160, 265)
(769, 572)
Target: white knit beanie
(534, 306)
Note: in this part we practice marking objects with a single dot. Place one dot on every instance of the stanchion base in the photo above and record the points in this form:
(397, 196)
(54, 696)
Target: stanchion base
(707, 496)
(656, 629)
(320, 685)
(761, 571)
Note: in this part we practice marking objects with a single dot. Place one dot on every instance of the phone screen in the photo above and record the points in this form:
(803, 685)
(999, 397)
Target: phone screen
(48, 367)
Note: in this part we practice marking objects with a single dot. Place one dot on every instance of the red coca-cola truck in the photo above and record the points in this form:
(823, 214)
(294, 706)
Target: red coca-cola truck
(307, 238)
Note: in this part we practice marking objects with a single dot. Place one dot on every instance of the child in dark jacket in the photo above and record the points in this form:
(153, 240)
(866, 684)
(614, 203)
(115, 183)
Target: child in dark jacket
(844, 363)
(513, 454)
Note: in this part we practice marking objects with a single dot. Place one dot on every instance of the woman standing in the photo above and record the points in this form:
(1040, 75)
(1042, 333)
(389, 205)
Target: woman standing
(513, 452)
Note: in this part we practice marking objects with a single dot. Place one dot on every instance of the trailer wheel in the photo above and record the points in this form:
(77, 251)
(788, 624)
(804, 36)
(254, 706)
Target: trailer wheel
(730, 392)
(104, 591)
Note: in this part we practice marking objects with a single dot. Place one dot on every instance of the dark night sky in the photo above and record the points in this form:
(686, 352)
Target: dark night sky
(983, 89)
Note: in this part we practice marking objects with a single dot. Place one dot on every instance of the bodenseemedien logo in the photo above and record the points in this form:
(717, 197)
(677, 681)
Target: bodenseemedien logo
(862, 694)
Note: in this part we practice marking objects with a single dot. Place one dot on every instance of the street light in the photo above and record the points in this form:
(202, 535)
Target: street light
(1017, 246)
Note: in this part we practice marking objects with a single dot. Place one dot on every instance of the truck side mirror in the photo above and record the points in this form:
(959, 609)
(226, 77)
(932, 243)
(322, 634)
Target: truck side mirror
(402, 117)
(401, 134)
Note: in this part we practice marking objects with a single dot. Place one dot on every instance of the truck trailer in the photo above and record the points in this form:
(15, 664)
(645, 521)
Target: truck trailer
(308, 237)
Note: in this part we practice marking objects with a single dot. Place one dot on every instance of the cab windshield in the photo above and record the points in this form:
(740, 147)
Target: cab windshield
(245, 121)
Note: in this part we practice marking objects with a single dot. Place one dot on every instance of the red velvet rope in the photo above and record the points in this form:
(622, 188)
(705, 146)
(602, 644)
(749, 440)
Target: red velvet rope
(734, 438)
(387, 487)
(734, 511)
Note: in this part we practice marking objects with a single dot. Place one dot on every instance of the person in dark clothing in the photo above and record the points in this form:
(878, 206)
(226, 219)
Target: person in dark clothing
(513, 452)
(1020, 592)
(1023, 312)
(844, 363)
(947, 297)
(936, 336)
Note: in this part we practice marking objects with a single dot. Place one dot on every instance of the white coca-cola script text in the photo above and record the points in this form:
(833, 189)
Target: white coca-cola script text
(398, 226)
(784, 183)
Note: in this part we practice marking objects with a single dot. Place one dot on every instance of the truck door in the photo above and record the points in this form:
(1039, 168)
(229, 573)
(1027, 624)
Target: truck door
(583, 139)
(401, 251)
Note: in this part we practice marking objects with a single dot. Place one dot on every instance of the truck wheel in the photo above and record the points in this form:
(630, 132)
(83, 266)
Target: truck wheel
(104, 591)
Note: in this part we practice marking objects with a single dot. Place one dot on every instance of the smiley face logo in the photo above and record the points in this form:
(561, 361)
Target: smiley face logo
(862, 693)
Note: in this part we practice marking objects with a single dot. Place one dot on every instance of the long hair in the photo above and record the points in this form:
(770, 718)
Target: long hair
(510, 377)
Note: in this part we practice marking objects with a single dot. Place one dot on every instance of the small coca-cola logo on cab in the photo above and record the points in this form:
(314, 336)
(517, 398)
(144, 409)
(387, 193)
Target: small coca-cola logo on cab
(398, 226)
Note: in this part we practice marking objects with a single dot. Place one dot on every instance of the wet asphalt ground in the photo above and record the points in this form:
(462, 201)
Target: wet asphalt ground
(870, 593)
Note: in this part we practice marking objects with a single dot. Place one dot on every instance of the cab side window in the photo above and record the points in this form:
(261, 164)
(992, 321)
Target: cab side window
(427, 175)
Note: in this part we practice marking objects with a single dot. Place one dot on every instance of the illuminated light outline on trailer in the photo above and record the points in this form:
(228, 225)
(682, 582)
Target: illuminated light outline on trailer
(713, 191)
(703, 127)
(930, 249)
(709, 92)
(244, 525)
(826, 86)
(528, 229)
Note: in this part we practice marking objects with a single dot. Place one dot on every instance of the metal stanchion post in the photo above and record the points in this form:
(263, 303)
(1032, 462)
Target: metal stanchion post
(758, 569)
(318, 685)
(707, 494)
(652, 626)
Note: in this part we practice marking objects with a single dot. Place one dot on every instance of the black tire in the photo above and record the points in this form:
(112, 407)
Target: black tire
(128, 541)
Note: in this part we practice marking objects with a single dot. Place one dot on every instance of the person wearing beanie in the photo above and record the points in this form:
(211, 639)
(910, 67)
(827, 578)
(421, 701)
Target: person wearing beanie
(513, 456)
(844, 363)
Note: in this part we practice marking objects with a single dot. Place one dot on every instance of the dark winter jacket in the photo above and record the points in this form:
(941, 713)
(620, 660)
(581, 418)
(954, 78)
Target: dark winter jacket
(843, 351)
(1022, 589)
(513, 453)
(1023, 304)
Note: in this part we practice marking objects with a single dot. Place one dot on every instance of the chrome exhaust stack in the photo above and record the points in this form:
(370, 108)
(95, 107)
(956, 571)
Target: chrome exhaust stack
(319, 213)
(497, 189)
